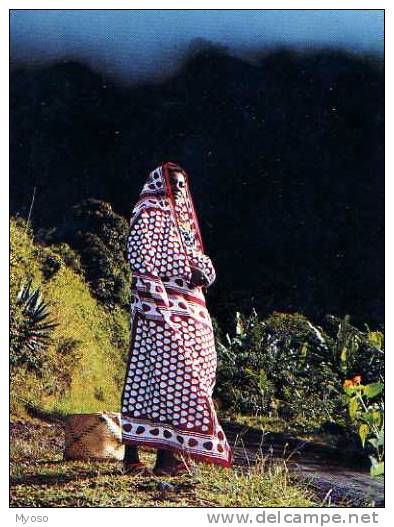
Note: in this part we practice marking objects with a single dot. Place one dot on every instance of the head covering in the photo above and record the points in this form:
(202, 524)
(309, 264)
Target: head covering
(157, 191)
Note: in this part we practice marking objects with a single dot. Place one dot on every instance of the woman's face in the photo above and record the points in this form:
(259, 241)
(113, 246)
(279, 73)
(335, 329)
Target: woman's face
(178, 184)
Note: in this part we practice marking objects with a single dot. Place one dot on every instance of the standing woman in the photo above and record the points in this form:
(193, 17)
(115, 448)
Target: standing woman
(167, 395)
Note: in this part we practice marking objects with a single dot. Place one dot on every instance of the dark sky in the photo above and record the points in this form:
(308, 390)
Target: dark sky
(141, 45)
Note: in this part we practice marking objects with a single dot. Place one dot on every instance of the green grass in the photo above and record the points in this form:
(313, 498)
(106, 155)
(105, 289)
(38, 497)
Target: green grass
(90, 377)
(40, 478)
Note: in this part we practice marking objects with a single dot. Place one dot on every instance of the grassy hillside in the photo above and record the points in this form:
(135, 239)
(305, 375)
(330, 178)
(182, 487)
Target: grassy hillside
(83, 366)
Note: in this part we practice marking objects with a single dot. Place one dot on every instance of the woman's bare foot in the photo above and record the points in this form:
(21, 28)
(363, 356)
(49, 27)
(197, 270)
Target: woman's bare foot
(168, 465)
(132, 464)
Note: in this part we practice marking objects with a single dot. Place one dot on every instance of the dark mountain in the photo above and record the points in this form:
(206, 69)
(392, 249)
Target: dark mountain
(285, 156)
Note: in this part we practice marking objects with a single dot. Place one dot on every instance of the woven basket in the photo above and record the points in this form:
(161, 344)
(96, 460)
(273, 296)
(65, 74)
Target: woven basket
(94, 436)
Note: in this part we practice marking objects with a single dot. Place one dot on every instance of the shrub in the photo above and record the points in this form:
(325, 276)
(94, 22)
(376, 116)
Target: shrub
(286, 366)
(99, 237)
(356, 352)
(31, 328)
(366, 412)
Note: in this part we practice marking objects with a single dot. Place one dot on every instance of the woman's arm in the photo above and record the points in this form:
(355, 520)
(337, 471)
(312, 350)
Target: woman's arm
(203, 271)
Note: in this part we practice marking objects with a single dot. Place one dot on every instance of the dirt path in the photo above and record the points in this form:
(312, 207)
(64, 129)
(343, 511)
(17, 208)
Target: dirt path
(335, 474)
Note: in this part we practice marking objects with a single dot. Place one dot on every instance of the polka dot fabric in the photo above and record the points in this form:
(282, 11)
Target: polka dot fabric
(154, 247)
(167, 394)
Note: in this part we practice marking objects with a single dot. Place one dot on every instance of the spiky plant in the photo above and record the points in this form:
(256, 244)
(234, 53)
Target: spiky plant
(31, 327)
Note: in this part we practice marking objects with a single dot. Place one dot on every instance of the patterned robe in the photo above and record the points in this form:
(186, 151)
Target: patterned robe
(167, 395)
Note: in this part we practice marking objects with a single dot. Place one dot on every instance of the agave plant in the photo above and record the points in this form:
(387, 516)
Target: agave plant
(31, 327)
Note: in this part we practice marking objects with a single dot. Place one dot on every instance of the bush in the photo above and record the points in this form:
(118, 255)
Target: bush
(366, 412)
(356, 352)
(286, 366)
(280, 366)
(99, 237)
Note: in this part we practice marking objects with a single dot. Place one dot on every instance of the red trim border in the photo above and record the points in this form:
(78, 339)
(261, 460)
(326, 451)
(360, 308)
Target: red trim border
(205, 458)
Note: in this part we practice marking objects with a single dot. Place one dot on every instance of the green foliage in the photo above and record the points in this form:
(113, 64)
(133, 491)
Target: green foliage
(356, 352)
(280, 366)
(98, 235)
(31, 328)
(86, 354)
(69, 256)
(285, 366)
(366, 411)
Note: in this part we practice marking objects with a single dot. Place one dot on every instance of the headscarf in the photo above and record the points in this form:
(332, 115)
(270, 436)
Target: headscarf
(158, 187)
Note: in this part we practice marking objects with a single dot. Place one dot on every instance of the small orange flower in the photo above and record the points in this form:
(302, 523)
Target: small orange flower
(357, 379)
(349, 383)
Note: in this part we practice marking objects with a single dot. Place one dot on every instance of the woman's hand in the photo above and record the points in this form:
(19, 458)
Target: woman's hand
(198, 279)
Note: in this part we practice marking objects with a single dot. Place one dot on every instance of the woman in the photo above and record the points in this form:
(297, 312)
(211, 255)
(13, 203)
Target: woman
(167, 395)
